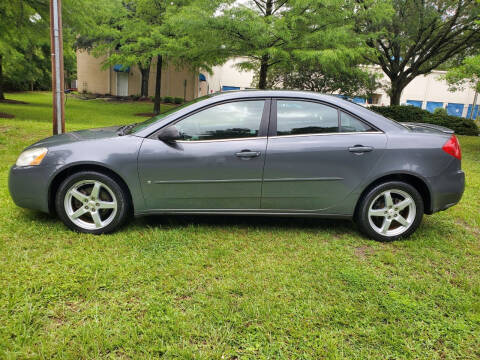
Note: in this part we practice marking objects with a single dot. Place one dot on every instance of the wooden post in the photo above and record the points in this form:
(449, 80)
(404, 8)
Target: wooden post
(58, 83)
(185, 90)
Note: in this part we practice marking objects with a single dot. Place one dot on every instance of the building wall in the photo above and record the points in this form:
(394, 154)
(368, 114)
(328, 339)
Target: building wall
(227, 75)
(90, 76)
(92, 79)
(429, 88)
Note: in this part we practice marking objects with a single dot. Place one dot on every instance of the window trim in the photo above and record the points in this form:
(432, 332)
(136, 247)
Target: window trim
(262, 131)
(340, 111)
(272, 129)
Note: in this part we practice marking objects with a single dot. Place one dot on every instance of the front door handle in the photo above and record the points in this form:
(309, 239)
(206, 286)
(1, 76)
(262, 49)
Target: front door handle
(247, 154)
(360, 149)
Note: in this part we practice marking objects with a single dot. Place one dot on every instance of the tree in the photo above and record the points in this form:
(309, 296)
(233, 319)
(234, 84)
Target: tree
(420, 37)
(468, 73)
(25, 42)
(132, 32)
(122, 33)
(23, 32)
(275, 33)
(356, 81)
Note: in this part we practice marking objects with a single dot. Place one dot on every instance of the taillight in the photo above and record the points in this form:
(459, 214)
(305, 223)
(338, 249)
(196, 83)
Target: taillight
(452, 147)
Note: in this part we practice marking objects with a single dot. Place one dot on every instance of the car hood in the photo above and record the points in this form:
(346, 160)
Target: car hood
(82, 135)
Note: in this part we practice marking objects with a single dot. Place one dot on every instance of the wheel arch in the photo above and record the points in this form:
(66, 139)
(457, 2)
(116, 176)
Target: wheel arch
(66, 172)
(417, 182)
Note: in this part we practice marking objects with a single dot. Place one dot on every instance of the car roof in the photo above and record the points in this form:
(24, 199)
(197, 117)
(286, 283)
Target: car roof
(233, 94)
(375, 119)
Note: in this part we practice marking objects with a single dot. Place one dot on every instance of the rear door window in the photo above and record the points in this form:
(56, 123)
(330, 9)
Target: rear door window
(352, 124)
(297, 117)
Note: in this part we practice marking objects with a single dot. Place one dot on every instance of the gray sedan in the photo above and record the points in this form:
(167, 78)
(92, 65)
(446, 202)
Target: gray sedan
(249, 152)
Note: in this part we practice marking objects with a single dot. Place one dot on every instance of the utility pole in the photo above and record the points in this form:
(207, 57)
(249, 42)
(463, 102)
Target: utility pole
(56, 41)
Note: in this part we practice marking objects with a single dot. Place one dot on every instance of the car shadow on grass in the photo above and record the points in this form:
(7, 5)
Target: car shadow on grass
(172, 222)
(41, 217)
(240, 221)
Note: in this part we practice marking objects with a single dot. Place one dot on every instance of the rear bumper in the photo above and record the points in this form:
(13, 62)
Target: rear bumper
(29, 186)
(446, 190)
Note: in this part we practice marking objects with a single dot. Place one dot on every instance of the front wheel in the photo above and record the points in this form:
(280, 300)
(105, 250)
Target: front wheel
(91, 202)
(390, 211)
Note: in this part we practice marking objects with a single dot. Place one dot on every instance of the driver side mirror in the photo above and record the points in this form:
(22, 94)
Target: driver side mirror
(169, 134)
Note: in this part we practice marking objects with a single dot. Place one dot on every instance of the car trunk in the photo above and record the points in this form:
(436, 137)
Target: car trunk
(427, 128)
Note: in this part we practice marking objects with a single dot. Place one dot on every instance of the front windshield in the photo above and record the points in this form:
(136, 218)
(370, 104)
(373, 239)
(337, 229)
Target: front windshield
(143, 125)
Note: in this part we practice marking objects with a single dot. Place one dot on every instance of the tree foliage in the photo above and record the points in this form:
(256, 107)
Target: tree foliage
(467, 74)
(420, 37)
(272, 34)
(22, 50)
(357, 81)
(133, 32)
(25, 42)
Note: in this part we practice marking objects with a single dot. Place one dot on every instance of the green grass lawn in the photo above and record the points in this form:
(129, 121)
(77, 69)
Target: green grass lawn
(230, 287)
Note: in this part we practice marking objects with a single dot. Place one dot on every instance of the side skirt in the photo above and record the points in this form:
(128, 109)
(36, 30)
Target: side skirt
(242, 212)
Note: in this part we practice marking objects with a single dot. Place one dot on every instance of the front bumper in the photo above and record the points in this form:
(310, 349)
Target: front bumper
(29, 186)
(447, 190)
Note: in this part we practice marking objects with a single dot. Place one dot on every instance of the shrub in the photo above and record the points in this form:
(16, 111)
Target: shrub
(168, 100)
(178, 100)
(460, 125)
(440, 111)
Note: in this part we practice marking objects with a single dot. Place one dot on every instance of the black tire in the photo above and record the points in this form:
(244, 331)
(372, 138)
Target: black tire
(111, 192)
(362, 215)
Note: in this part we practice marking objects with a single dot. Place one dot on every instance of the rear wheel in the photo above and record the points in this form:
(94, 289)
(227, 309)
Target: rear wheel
(390, 211)
(91, 202)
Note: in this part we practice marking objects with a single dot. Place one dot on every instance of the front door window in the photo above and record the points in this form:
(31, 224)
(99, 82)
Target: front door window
(240, 119)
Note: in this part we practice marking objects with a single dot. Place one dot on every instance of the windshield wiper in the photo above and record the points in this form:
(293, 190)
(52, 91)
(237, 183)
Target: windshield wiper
(125, 129)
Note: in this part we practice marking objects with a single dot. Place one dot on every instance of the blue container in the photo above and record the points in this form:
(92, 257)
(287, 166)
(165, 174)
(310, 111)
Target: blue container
(228, 88)
(359, 100)
(432, 105)
(415, 103)
(455, 109)
(475, 111)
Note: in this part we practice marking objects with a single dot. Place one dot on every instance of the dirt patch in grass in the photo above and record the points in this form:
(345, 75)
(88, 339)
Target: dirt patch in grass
(146, 114)
(10, 101)
(363, 251)
(6, 116)
(473, 229)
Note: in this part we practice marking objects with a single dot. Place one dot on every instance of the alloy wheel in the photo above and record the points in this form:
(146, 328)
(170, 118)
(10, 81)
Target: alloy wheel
(90, 204)
(392, 212)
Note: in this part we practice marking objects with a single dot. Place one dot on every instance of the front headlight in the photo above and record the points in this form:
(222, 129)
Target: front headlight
(32, 157)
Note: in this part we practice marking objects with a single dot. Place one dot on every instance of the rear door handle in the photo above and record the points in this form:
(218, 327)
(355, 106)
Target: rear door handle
(360, 149)
(247, 154)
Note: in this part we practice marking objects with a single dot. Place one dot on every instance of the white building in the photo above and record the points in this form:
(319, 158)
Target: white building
(226, 77)
(425, 91)
(429, 92)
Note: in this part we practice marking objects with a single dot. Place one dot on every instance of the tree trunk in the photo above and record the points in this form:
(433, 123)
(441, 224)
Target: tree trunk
(144, 86)
(396, 90)
(2, 96)
(158, 85)
(262, 82)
